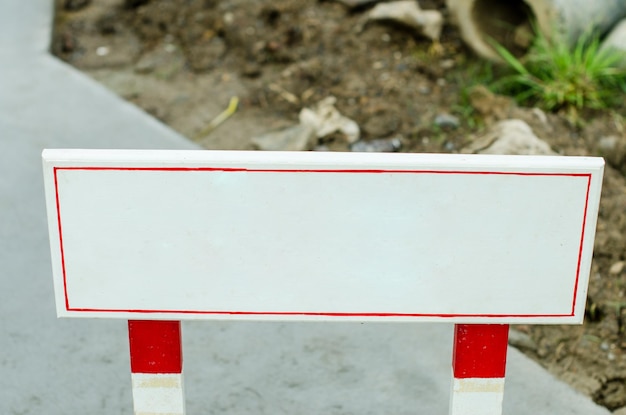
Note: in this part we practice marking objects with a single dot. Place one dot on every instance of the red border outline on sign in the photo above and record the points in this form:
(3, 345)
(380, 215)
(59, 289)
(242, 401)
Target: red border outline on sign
(329, 314)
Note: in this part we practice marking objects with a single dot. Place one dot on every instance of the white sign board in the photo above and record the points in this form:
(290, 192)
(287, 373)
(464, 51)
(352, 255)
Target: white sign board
(321, 236)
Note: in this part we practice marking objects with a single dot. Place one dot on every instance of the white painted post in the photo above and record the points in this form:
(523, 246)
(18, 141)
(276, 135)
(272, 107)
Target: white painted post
(156, 367)
(478, 367)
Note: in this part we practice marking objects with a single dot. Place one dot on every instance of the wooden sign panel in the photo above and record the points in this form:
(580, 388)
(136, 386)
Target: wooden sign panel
(321, 236)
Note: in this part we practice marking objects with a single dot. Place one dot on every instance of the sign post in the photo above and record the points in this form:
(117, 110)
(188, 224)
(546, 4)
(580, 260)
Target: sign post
(479, 241)
(478, 367)
(156, 367)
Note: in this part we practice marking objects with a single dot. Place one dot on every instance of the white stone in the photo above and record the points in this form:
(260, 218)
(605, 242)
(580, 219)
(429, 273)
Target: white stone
(617, 268)
(427, 22)
(326, 119)
(297, 138)
(513, 137)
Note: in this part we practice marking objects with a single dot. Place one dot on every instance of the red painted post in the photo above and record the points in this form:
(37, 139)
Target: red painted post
(156, 367)
(478, 366)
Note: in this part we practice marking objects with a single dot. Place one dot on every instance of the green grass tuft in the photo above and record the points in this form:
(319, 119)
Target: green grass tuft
(554, 76)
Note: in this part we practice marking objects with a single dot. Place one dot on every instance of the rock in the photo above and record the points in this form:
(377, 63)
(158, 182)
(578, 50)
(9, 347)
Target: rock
(447, 64)
(388, 145)
(521, 340)
(449, 146)
(165, 61)
(617, 268)
(488, 104)
(325, 120)
(297, 138)
(427, 23)
(539, 114)
(252, 70)
(608, 143)
(448, 121)
(613, 149)
(424, 90)
(510, 137)
(102, 50)
(145, 64)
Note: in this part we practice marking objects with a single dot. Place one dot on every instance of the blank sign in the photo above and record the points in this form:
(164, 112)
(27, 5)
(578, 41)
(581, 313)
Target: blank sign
(321, 236)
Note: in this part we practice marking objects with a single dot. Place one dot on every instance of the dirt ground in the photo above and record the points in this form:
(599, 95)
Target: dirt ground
(182, 61)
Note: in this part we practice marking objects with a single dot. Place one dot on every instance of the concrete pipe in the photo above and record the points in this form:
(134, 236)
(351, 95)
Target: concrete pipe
(616, 41)
(509, 22)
